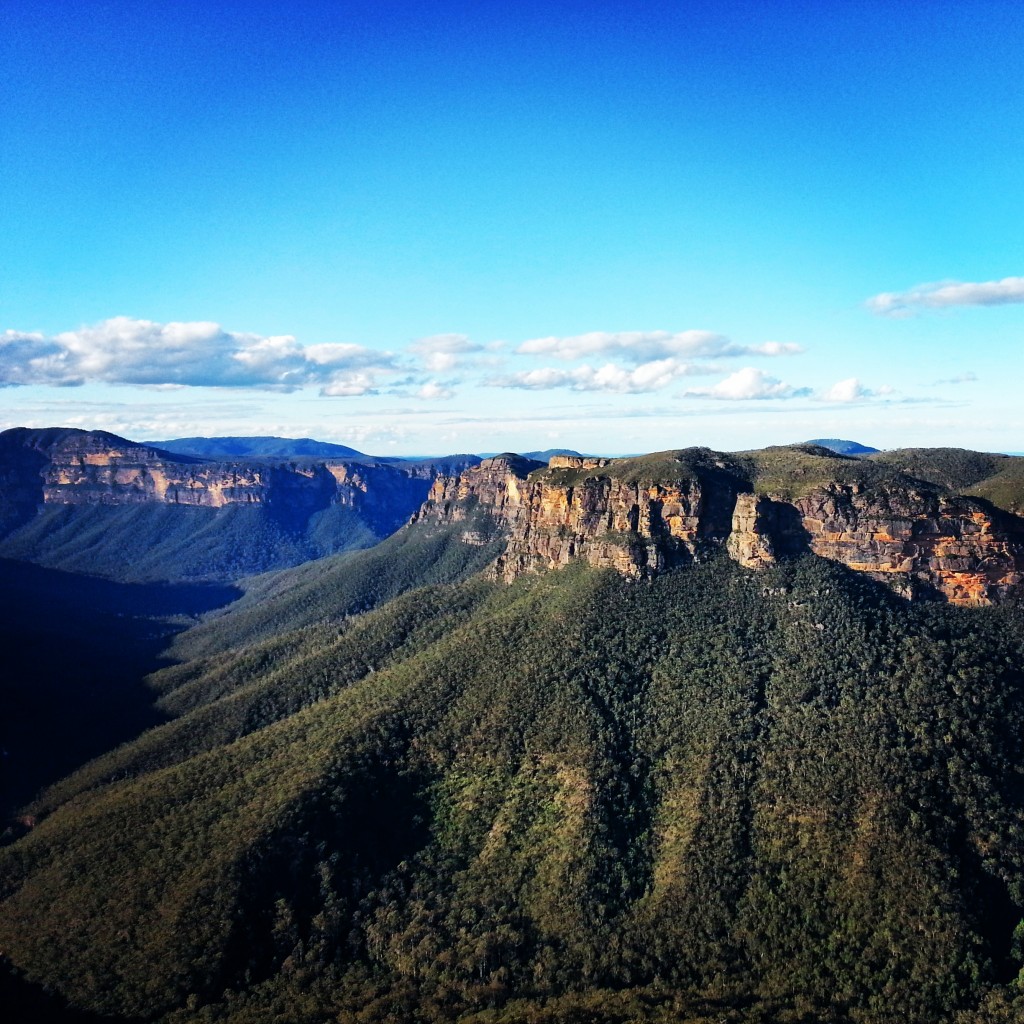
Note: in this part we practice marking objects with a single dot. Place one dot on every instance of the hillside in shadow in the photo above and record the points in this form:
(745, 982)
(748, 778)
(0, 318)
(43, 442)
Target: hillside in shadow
(76, 649)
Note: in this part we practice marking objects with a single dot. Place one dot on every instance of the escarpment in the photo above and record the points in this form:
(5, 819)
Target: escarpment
(96, 503)
(99, 469)
(897, 516)
(923, 544)
(575, 509)
(103, 469)
(74, 467)
(644, 516)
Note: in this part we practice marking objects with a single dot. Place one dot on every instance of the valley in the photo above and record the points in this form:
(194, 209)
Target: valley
(95, 503)
(693, 736)
(76, 651)
(511, 513)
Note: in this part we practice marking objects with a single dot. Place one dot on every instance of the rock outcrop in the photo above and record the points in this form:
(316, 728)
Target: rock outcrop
(74, 467)
(920, 541)
(102, 469)
(634, 526)
(638, 516)
(912, 535)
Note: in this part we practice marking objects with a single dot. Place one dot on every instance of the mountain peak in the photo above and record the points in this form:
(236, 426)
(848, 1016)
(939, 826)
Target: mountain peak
(257, 447)
(841, 447)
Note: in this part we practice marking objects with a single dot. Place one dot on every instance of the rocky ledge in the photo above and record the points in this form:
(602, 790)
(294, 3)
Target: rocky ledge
(642, 517)
(75, 467)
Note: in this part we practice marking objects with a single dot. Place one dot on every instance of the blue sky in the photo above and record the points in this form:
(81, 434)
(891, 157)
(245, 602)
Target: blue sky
(478, 226)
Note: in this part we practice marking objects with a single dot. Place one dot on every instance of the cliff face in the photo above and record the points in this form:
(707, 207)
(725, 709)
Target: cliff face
(906, 533)
(23, 457)
(921, 542)
(635, 527)
(639, 516)
(101, 469)
(98, 469)
(72, 467)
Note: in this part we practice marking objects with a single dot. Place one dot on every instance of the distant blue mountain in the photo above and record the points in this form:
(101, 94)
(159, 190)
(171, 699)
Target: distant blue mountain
(843, 447)
(257, 447)
(544, 456)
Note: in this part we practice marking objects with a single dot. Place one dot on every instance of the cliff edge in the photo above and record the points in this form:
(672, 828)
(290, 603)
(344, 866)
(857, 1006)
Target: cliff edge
(646, 515)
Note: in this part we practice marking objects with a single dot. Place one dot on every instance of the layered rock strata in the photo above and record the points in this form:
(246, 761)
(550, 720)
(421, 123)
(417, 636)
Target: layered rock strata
(72, 467)
(635, 527)
(922, 542)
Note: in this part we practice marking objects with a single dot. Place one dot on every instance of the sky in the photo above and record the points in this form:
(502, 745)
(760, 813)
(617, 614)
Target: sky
(611, 227)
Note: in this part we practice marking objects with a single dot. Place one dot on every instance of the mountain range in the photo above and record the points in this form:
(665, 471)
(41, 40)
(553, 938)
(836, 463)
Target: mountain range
(693, 736)
(97, 503)
(242, 447)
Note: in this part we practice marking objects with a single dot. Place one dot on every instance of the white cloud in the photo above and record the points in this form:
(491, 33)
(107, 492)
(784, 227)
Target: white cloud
(777, 348)
(947, 294)
(435, 391)
(967, 377)
(350, 385)
(342, 355)
(538, 380)
(123, 350)
(647, 377)
(648, 346)
(852, 390)
(849, 390)
(749, 384)
(441, 352)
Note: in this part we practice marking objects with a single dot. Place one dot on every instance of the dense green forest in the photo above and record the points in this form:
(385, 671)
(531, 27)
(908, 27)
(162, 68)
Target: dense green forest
(390, 789)
(155, 542)
(792, 471)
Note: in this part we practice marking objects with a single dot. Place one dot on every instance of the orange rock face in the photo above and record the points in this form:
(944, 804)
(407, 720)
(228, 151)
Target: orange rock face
(88, 469)
(635, 528)
(954, 548)
(958, 547)
(921, 543)
(79, 474)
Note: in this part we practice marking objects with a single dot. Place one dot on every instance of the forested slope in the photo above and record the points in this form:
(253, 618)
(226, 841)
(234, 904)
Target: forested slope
(148, 543)
(718, 794)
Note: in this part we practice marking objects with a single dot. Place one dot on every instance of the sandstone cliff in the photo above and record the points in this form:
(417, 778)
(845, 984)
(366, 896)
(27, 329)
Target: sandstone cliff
(644, 516)
(574, 509)
(923, 544)
(72, 467)
(103, 469)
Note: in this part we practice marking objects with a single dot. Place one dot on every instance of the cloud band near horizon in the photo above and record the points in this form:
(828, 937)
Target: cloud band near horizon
(648, 346)
(948, 295)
